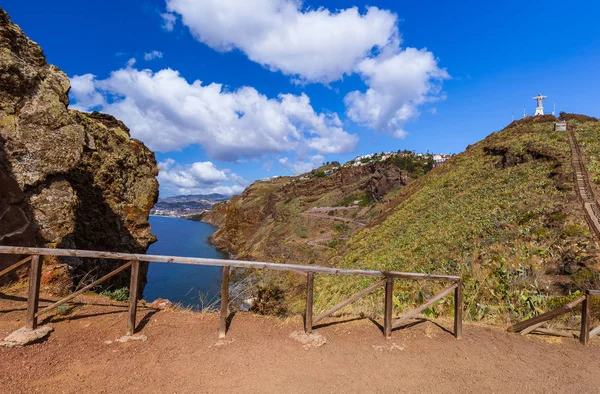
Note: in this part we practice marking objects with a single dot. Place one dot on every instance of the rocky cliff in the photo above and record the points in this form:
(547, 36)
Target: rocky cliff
(67, 179)
(305, 218)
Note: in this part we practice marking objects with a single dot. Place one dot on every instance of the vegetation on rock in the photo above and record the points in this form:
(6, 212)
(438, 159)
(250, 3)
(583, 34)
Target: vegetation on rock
(67, 179)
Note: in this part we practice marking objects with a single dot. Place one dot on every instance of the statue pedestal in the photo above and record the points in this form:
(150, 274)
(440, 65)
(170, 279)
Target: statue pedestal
(539, 111)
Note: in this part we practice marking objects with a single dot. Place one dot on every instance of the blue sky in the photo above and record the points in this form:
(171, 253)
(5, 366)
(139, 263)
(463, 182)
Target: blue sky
(287, 85)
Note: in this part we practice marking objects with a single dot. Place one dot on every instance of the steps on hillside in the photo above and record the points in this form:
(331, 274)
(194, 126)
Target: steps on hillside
(583, 186)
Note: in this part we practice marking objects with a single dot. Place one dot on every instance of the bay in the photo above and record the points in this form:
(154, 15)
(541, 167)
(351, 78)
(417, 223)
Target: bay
(192, 286)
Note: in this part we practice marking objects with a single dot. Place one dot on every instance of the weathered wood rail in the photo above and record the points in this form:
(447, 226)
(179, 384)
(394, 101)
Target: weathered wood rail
(585, 192)
(534, 325)
(133, 261)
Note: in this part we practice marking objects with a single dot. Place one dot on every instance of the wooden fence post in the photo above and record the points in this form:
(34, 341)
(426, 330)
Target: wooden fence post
(35, 275)
(133, 296)
(310, 279)
(388, 304)
(586, 318)
(224, 302)
(458, 310)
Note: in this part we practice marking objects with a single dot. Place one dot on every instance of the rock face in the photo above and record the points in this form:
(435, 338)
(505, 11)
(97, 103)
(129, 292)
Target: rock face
(67, 179)
(272, 221)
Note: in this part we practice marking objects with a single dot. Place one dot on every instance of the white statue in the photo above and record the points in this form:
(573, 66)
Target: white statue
(539, 110)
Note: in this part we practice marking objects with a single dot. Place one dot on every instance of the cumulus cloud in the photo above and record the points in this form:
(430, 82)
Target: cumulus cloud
(84, 88)
(398, 81)
(318, 45)
(168, 113)
(299, 166)
(169, 21)
(198, 178)
(314, 45)
(153, 55)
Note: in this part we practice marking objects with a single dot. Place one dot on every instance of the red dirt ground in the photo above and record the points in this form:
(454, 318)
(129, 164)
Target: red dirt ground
(183, 355)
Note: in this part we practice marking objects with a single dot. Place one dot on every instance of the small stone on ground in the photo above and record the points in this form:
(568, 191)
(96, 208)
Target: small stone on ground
(309, 340)
(24, 336)
(389, 348)
(134, 337)
(161, 304)
(222, 342)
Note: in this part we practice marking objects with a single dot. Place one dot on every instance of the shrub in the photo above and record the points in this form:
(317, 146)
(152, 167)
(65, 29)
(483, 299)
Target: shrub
(340, 227)
(121, 294)
(270, 300)
(581, 118)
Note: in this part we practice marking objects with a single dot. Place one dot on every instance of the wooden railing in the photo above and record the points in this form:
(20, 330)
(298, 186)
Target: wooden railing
(134, 260)
(534, 325)
(583, 185)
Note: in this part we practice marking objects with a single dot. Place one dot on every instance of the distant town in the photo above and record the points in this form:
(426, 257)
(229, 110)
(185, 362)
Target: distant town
(438, 158)
(329, 168)
(189, 206)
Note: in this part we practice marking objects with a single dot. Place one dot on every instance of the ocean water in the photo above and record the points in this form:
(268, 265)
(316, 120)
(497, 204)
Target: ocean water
(191, 285)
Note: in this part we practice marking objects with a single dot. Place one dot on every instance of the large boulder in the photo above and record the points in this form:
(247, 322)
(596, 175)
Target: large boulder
(68, 179)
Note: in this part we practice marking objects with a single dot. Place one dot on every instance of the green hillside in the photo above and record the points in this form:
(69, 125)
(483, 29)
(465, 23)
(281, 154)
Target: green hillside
(504, 214)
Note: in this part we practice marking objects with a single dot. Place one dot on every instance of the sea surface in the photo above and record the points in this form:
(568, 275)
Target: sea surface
(193, 286)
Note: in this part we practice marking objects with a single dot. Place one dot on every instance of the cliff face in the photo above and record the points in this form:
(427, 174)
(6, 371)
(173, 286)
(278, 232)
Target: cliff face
(67, 179)
(300, 220)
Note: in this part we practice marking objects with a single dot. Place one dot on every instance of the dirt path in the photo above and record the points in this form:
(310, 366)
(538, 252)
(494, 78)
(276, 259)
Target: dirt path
(321, 213)
(183, 355)
(328, 209)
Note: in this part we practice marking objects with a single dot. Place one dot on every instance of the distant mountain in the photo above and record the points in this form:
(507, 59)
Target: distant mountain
(195, 197)
(188, 205)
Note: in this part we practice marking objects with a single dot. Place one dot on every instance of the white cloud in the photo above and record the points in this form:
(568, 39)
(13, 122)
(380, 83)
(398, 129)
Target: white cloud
(84, 88)
(153, 55)
(198, 178)
(398, 81)
(300, 167)
(206, 172)
(169, 21)
(316, 45)
(168, 113)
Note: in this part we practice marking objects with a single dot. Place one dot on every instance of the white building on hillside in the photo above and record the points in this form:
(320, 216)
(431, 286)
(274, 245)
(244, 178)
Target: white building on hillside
(439, 159)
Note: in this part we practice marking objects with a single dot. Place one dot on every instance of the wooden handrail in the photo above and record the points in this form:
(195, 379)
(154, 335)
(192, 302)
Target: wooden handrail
(424, 306)
(86, 288)
(350, 300)
(419, 276)
(586, 318)
(595, 332)
(221, 263)
(224, 302)
(15, 265)
(546, 316)
(133, 260)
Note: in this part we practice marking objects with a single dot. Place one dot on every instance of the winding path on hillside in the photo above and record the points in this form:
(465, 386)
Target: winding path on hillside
(322, 213)
(583, 185)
